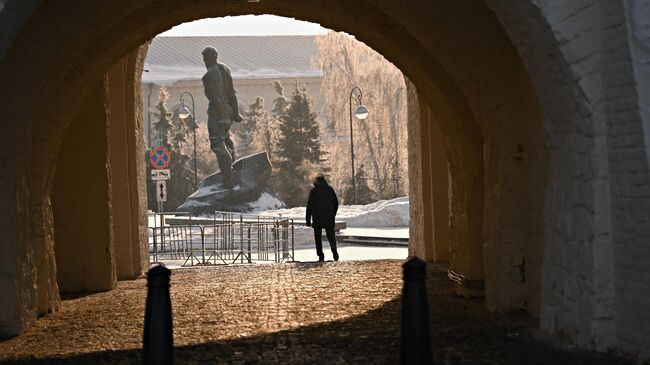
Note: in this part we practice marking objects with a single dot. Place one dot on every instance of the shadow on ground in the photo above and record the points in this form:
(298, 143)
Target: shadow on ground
(462, 333)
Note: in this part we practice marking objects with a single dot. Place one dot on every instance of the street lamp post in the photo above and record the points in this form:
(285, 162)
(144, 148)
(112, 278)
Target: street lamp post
(184, 112)
(361, 112)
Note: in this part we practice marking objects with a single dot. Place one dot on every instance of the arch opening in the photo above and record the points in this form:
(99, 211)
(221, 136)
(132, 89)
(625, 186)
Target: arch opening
(255, 76)
(494, 163)
(453, 97)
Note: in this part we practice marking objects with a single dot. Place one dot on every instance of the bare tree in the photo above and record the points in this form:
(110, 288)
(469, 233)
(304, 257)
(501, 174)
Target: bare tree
(380, 141)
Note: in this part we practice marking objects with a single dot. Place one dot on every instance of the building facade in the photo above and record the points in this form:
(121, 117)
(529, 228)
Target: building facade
(255, 62)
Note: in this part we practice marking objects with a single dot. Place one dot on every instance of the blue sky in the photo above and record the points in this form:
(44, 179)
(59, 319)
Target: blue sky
(244, 25)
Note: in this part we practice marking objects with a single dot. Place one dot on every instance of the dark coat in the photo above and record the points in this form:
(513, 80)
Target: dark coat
(322, 206)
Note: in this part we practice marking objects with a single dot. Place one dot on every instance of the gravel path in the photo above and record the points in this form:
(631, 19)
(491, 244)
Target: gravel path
(302, 313)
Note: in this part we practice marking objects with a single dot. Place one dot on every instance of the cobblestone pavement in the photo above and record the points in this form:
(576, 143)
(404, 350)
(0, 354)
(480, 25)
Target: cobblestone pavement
(300, 313)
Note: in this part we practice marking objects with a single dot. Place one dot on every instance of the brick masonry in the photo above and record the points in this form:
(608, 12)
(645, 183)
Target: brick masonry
(544, 109)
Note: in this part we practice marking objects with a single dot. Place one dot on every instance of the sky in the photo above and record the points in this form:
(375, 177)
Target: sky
(245, 25)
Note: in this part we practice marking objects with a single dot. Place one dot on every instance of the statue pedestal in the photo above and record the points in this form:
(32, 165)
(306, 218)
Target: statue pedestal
(251, 191)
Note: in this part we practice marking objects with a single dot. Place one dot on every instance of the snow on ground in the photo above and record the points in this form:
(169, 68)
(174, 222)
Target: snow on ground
(380, 214)
(401, 233)
(383, 213)
(304, 237)
(265, 202)
(384, 218)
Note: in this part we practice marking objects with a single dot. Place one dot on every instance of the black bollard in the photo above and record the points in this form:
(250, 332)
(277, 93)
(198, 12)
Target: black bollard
(416, 341)
(158, 344)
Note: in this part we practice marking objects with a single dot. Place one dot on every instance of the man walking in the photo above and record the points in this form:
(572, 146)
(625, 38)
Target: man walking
(321, 207)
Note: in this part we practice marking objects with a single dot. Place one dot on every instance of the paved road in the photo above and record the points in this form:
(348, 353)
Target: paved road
(302, 313)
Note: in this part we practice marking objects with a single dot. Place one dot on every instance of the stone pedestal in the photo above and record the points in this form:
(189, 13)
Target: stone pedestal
(251, 192)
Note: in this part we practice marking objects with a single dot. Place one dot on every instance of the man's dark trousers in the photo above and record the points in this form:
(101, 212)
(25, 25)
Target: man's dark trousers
(318, 235)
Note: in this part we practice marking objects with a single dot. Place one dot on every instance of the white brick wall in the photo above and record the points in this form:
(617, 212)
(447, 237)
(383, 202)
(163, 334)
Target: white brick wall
(630, 175)
(638, 29)
(574, 168)
(595, 278)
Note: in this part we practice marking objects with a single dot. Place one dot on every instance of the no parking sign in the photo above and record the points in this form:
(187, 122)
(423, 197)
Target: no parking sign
(160, 158)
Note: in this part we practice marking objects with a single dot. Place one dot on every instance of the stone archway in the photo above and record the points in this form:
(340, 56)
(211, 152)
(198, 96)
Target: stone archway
(436, 87)
(494, 104)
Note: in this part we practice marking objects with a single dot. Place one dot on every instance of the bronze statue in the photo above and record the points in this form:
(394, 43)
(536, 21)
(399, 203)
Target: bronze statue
(223, 110)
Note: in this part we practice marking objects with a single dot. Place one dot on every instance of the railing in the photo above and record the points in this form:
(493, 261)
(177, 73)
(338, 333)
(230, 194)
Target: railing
(229, 238)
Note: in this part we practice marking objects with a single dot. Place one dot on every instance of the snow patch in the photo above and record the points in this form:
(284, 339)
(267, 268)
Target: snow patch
(303, 237)
(265, 202)
(207, 190)
(383, 213)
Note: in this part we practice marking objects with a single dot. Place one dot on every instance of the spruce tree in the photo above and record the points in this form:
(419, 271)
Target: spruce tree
(163, 126)
(281, 103)
(299, 132)
(265, 131)
(298, 149)
(365, 195)
(246, 133)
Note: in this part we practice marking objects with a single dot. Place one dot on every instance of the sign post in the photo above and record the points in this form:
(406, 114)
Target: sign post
(161, 191)
(161, 196)
(160, 157)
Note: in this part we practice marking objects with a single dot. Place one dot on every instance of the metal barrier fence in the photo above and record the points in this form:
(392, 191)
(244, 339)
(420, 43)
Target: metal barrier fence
(229, 238)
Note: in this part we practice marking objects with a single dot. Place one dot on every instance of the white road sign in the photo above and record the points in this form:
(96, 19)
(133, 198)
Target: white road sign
(161, 191)
(163, 174)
